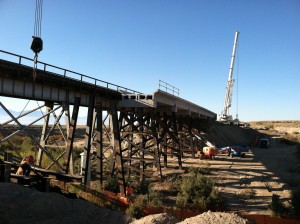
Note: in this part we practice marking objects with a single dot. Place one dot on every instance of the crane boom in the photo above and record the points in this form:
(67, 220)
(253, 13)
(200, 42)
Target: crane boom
(225, 117)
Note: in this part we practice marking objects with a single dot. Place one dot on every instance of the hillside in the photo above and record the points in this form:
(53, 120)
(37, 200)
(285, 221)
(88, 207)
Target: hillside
(223, 135)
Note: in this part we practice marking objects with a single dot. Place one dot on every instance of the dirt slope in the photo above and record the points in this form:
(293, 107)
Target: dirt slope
(224, 134)
(20, 204)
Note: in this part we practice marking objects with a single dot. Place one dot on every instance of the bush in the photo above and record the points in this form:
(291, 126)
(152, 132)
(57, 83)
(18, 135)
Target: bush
(198, 190)
(296, 202)
(182, 200)
(277, 207)
(143, 187)
(205, 169)
(27, 144)
(113, 184)
(155, 199)
(136, 208)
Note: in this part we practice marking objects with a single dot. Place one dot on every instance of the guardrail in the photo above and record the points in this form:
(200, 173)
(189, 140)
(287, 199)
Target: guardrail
(68, 73)
(168, 88)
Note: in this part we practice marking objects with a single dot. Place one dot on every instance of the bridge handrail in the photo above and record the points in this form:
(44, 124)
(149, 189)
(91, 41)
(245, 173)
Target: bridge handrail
(166, 87)
(106, 84)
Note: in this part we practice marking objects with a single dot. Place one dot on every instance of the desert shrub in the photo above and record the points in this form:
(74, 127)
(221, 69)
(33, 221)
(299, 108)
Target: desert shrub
(12, 144)
(205, 169)
(182, 200)
(5, 146)
(293, 139)
(277, 207)
(112, 184)
(143, 187)
(27, 144)
(136, 208)
(175, 184)
(248, 193)
(155, 199)
(76, 153)
(296, 202)
(16, 140)
(198, 190)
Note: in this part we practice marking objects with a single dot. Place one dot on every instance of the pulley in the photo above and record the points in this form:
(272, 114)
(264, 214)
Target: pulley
(36, 44)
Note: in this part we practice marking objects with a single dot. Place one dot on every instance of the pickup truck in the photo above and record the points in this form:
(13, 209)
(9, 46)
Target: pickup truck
(264, 143)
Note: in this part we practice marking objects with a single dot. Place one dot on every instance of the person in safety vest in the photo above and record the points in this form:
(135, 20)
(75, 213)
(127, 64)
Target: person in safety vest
(25, 167)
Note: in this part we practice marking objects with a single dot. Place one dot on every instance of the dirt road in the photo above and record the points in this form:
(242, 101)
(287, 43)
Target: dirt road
(249, 183)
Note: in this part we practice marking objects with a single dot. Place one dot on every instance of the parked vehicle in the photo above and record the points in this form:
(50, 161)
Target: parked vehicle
(264, 143)
(235, 151)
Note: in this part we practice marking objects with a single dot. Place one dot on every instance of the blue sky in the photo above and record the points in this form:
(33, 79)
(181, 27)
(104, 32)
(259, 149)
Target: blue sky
(186, 43)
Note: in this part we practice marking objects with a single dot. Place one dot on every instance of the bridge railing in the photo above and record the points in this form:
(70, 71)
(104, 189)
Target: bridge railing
(65, 73)
(168, 88)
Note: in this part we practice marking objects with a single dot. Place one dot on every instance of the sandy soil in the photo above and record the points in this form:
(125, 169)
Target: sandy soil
(249, 183)
(246, 183)
(205, 218)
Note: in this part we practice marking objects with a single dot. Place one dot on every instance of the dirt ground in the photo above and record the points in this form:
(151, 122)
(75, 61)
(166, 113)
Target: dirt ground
(19, 204)
(246, 183)
(261, 173)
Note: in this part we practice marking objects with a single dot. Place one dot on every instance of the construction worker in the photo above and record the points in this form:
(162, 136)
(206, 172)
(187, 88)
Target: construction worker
(128, 189)
(25, 167)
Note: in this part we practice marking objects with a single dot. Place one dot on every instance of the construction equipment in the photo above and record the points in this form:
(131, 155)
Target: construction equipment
(209, 151)
(225, 117)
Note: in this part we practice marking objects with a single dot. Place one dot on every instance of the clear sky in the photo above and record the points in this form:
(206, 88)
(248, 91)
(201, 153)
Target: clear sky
(186, 43)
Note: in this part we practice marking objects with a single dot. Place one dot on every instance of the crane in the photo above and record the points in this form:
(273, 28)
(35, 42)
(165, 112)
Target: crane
(225, 117)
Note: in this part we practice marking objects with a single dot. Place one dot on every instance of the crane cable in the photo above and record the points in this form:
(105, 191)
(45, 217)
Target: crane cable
(38, 18)
(37, 42)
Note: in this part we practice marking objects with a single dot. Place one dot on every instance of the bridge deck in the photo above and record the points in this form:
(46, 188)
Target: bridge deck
(166, 102)
(16, 80)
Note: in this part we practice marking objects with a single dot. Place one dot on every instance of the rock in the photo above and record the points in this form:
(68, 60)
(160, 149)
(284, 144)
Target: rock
(215, 218)
(162, 218)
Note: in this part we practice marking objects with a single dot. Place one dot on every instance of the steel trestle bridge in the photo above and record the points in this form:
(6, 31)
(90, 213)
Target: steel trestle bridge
(126, 131)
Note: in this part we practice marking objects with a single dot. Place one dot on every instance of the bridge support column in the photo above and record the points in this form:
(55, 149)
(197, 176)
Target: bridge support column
(153, 126)
(130, 139)
(99, 145)
(72, 129)
(43, 140)
(176, 141)
(116, 143)
(164, 149)
(141, 142)
(87, 145)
